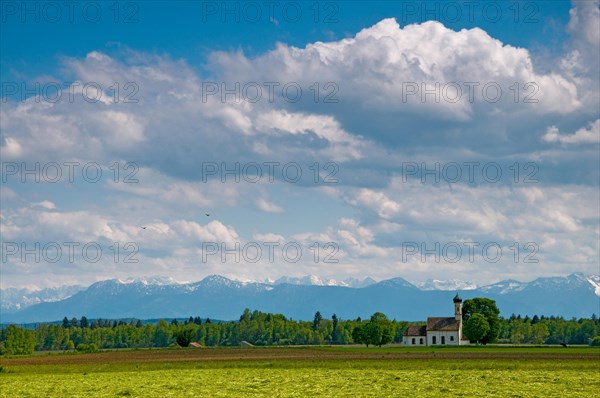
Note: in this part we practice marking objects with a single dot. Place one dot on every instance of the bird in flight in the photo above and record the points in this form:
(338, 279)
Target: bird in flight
(207, 215)
(143, 227)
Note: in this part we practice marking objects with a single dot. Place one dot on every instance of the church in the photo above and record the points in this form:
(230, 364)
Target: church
(438, 331)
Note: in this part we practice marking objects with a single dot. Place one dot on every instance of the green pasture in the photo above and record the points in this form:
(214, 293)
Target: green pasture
(308, 372)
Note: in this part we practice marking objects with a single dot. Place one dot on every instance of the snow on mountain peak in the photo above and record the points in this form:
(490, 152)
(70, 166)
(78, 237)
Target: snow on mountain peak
(151, 280)
(450, 284)
(594, 280)
(13, 299)
(312, 280)
(503, 287)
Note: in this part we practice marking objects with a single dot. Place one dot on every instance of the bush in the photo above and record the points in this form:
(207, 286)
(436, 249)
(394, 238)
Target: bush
(87, 347)
(595, 342)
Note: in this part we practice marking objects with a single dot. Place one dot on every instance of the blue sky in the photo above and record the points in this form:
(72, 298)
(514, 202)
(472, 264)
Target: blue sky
(364, 121)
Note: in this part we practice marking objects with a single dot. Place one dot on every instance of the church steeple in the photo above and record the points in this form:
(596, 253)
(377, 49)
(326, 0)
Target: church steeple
(457, 307)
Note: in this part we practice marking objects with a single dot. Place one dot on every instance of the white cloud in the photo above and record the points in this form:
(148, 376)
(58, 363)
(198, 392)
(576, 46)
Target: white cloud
(343, 145)
(171, 131)
(385, 207)
(267, 206)
(374, 68)
(46, 204)
(584, 22)
(214, 231)
(268, 237)
(585, 135)
(124, 129)
(11, 148)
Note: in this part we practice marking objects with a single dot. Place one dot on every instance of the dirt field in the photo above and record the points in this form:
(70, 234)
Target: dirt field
(303, 353)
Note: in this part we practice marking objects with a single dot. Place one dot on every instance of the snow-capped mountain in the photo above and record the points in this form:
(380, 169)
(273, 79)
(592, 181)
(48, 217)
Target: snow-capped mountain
(312, 280)
(575, 295)
(594, 280)
(574, 281)
(13, 299)
(503, 287)
(450, 284)
(151, 280)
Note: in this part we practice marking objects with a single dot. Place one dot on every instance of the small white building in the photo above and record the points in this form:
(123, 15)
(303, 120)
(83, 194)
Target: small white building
(438, 331)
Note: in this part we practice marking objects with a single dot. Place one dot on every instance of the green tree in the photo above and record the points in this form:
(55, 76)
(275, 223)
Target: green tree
(359, 336)
(83, 323)
(316, 320)
(487, 308)
(161, 334)
(476, 327)
(19, 341)
(378, 330)
(539, 333)
(334, 332)
(184, 335)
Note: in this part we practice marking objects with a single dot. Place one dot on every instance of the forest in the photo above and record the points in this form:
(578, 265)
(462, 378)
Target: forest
(265, 329)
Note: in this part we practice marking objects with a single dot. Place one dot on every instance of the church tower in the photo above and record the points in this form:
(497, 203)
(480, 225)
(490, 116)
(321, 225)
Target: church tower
(457, 307)
(458, 315)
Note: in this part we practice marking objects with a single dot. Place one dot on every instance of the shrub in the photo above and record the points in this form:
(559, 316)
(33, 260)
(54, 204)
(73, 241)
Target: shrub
(87, 347)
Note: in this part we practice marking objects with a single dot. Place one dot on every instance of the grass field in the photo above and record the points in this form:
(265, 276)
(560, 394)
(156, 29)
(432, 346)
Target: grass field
(308, 372)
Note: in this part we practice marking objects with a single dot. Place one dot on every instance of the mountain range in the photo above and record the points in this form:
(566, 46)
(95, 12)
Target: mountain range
(576, 295)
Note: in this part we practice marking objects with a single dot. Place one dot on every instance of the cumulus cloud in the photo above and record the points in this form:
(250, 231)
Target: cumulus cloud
(343, 145)
(376, 124)
(380, 65)
(585, 135)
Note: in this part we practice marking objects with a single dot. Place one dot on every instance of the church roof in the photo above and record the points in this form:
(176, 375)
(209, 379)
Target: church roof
(438, 324)
(457, 298)
(416, 331)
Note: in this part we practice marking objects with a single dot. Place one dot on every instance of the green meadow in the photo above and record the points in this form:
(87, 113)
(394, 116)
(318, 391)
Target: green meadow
(308, 371)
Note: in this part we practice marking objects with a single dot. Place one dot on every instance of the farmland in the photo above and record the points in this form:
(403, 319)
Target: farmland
(307, 371)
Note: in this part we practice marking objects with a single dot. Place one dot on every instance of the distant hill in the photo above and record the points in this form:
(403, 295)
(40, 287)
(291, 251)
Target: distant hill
(217, 297)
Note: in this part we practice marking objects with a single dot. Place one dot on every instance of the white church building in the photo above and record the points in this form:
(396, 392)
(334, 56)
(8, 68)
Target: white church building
(438, 331)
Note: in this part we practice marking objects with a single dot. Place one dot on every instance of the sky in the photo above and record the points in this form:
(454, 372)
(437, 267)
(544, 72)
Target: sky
(446, 140)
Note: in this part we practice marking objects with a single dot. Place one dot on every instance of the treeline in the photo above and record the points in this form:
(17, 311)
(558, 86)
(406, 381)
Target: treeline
(264, 329)
(548, 330)
(255, 327)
